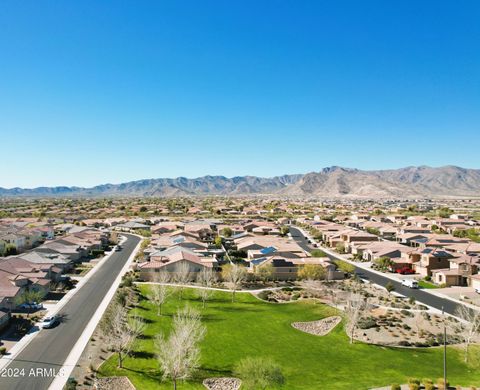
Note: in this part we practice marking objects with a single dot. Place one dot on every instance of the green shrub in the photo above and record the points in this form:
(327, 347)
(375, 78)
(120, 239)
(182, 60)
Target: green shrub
(3, 350)
(414, 386)
(441, 385)
(414, 381)
(395, 387)
(367, 323)
(264, 295)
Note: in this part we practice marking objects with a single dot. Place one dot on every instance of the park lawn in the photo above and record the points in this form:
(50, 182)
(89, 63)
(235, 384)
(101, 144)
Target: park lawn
(250, 327)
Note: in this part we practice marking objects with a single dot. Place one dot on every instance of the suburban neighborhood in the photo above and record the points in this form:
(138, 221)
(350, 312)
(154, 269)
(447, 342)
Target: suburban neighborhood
(389, 273)
(240, 195)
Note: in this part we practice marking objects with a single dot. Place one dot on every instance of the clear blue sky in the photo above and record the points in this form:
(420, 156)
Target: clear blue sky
(97, 91)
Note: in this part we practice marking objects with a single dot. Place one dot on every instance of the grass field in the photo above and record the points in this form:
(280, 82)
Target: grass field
(250, 327)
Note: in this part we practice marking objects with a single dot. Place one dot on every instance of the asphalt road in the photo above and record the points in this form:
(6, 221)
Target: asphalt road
(34, 368)
(419, 295)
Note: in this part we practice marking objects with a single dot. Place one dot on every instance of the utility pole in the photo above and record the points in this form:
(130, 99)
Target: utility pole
(444, 351)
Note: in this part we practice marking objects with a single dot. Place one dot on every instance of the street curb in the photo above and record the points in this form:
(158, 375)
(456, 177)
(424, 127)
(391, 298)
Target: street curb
(35, 330)
(361, 266)
(77, 350)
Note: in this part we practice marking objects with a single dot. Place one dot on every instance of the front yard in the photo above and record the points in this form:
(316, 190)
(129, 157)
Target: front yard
(251, 327)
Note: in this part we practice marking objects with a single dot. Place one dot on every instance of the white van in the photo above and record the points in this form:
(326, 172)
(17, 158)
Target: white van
(410, 283)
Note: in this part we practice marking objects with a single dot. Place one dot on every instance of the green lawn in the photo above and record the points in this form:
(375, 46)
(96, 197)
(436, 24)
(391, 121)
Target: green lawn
(250, 327)
(425, 284)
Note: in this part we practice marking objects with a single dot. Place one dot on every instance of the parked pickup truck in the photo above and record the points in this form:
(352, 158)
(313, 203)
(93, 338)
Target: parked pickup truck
(410, 283)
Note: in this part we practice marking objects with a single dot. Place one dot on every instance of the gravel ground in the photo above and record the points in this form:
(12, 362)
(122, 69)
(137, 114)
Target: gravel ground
(222, 383)
(318, 328)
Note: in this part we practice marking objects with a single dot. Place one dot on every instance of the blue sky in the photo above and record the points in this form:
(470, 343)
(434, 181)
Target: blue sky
(94, 92)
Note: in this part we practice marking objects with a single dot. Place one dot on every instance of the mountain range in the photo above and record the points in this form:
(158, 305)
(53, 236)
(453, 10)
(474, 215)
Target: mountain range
(421, 181)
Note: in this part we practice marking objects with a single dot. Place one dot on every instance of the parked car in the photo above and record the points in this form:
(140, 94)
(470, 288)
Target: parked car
(64, 278)
(49, 322)
(31, 306)
(405, 271)
(410, 283)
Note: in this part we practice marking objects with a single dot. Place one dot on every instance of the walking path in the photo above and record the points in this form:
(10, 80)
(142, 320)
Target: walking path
(255, 291)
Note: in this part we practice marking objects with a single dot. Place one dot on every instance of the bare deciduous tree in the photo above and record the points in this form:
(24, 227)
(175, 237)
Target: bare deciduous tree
(120, 331)
(354, 306)
(179, 353)
(469, 328)
(206, 278)
(159, 291)
(419, 319)
(313, 288)
(182, 276)
(235, 275)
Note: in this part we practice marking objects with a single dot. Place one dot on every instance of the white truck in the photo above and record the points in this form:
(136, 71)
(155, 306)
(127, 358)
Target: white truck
(410, 283)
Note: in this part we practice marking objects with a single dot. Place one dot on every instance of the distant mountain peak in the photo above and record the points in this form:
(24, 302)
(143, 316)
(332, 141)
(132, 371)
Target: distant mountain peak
(333, 181)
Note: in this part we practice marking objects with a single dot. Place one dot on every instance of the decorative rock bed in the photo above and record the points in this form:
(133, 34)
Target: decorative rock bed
(320, 327)
(114, 383)
(222, 383)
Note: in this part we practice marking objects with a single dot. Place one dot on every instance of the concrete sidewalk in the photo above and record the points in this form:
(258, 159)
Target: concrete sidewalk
(52, 309)
(72, 359)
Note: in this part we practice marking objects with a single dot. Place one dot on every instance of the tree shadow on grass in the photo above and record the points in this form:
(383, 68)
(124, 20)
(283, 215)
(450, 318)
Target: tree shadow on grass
(142, 355)
(153, 376)
(211, 318)
(206, 372)
(232, 308)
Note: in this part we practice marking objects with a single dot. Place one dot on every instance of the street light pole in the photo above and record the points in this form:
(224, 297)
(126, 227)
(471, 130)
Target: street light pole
(444, 351)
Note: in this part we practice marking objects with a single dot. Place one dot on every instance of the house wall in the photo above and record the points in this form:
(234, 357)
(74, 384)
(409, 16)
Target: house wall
(448, 280)
(148, 274)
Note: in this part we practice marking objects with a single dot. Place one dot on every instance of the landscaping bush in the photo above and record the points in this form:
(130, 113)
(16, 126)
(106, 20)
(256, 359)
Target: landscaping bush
(428, 384)
(414, 381)
(395, 387)
(441, 385)
(264, 295)
(414, 384)
(367, 323)
(71, 384)
(3, 350)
